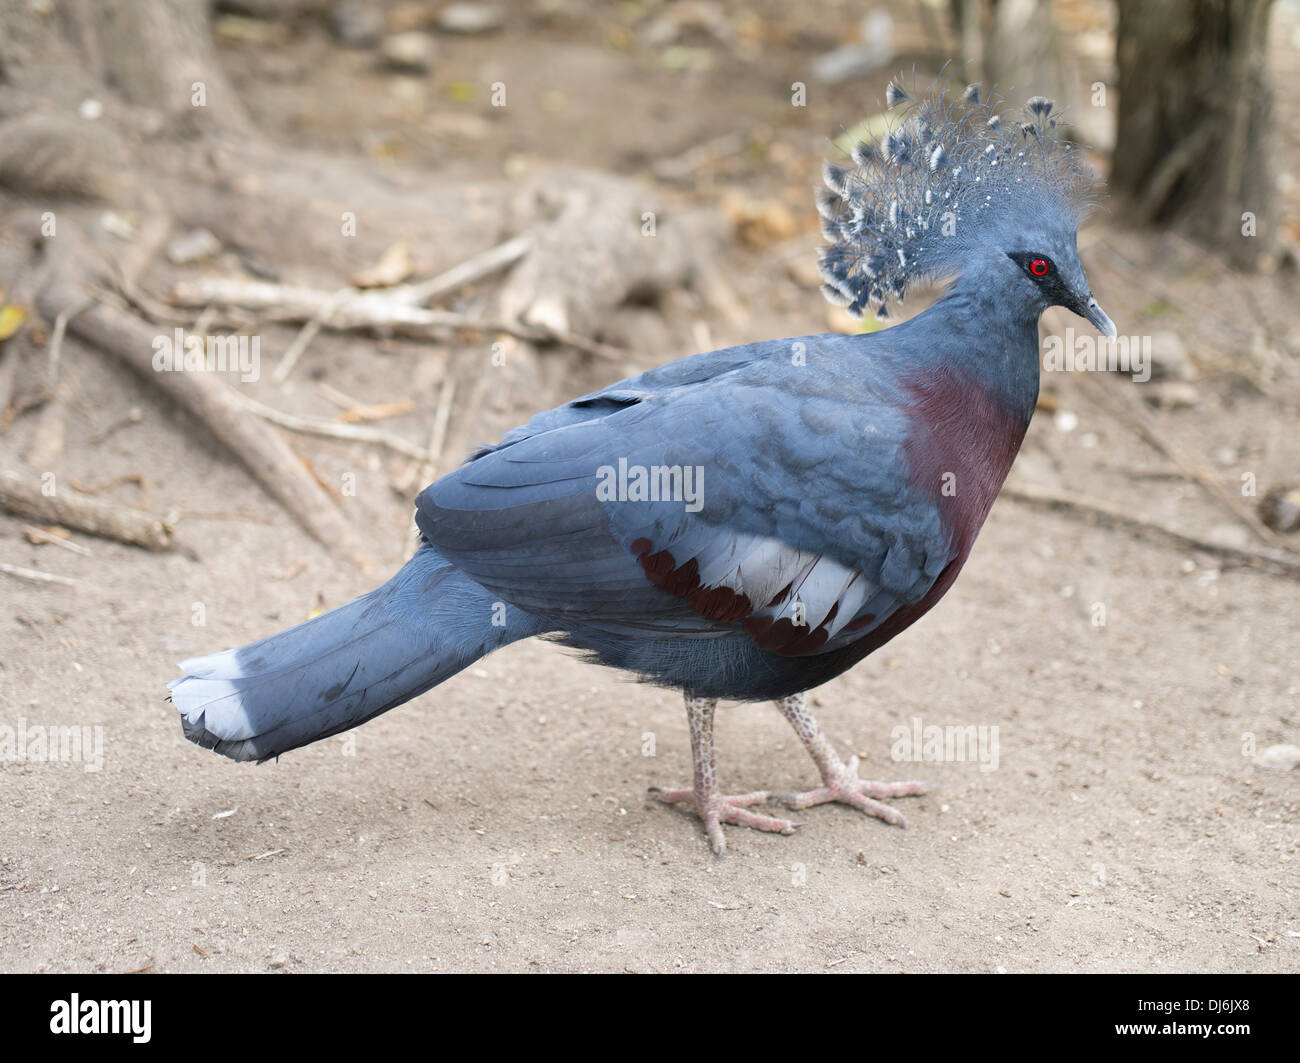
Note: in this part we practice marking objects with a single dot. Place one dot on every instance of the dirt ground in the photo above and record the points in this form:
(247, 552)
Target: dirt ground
(501, 822)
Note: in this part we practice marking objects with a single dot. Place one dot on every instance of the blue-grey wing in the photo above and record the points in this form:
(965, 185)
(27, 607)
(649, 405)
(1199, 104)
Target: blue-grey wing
(766, 496)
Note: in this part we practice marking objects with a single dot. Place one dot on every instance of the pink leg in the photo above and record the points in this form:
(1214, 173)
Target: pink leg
(712, 807)
(840, 781)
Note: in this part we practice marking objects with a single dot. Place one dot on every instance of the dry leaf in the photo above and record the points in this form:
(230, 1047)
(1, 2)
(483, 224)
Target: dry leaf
(393, 267)
(12, 317)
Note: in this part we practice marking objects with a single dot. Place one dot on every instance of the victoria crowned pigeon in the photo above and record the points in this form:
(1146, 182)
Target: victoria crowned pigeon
(746, 523)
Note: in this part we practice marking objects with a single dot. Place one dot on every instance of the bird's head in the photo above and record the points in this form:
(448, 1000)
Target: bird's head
(1045, 271)
(954, 190)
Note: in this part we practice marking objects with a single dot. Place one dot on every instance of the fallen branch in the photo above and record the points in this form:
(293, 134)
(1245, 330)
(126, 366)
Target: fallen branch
(471, 270)
(210, 401)
(356, 433)
(355, 308)
(105, 519)
(1275, 561)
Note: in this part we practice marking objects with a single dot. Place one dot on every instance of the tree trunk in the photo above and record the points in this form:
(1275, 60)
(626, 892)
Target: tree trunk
(160, 55)
(1024, 55)
(1193, 148)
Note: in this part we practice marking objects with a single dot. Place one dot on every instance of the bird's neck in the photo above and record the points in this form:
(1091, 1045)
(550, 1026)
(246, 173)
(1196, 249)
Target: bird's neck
(972, 384)
(979, 332)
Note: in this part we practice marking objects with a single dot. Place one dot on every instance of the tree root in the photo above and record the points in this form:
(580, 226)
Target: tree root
(207, 398)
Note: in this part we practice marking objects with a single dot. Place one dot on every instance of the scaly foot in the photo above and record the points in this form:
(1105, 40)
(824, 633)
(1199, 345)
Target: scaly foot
(716, 809)
(846, 788)
(840, 781)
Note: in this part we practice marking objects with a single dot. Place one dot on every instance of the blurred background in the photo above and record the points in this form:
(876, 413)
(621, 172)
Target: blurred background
(396, 229)
(615, 184)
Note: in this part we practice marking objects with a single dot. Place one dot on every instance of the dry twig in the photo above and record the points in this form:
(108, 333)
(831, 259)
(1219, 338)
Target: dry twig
(356, 433)
(364, 309)
(1279, 562)
(36, 577)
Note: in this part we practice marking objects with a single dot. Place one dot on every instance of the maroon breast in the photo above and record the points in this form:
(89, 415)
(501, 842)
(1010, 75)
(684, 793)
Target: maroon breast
(963, 442)
(962, 445)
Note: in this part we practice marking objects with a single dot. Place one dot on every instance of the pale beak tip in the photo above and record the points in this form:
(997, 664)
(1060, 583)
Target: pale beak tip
(1099, 318)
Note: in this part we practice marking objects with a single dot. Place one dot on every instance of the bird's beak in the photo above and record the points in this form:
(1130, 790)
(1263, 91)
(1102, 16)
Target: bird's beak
(1094, 313)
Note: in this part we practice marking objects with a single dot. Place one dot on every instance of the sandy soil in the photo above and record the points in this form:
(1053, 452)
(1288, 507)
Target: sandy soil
(501, 822)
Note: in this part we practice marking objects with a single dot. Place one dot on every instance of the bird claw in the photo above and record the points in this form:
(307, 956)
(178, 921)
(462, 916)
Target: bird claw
(848, 789)
(717, 809)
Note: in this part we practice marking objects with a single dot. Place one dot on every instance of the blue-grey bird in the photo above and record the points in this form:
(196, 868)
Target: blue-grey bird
(742, 524)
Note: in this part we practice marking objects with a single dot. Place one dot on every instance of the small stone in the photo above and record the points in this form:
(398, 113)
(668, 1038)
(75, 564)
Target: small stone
(193, 246)
(1279, 758)
(468, 18)
(659, 32)
(279, 961)
(357, 24)
(258, 266)
(1169, 360)
(118, 225)
(1172, 395)
(408, 53)
(1280, 508)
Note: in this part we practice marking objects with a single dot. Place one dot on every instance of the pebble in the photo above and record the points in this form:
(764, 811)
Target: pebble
(1279, 758)
(470, 18)
(1171, 395)
(193, 246)
(1169, 359)
(1280, 508)
(408, 53)
(357, 24)
(117, 225)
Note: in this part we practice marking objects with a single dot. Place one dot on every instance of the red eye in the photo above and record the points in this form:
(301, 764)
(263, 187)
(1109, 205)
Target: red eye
(1039, 267)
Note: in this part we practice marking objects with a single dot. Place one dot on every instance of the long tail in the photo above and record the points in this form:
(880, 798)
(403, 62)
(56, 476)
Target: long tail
(346, 666)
